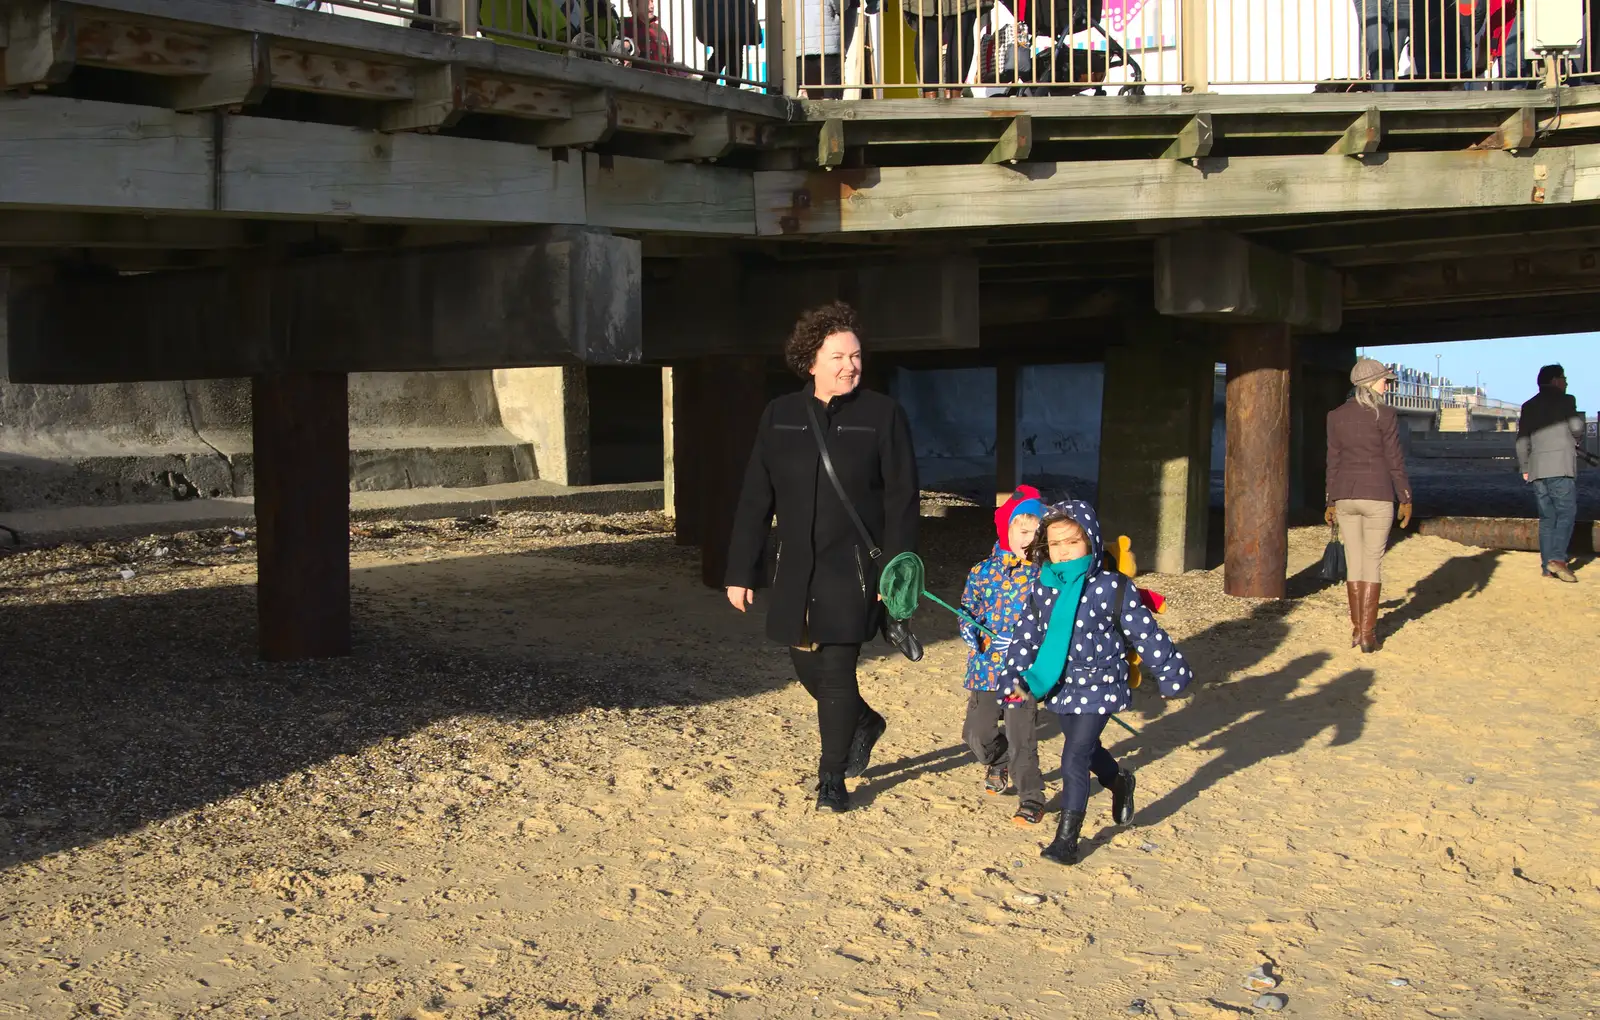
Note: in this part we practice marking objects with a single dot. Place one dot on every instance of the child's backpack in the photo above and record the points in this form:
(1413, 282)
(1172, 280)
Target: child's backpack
(587, 24)
(1121, 560)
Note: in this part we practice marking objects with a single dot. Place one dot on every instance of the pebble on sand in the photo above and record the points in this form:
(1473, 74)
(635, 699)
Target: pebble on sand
(1137, 1008)
(1399, 982)
(1027, 899)
(1271, 1003)
(1259, 980)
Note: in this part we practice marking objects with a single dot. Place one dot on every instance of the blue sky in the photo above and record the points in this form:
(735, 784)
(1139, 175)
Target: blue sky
(1508, 368)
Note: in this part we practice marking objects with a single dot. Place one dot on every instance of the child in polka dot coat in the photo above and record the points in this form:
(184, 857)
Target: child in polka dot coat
(1076, 664)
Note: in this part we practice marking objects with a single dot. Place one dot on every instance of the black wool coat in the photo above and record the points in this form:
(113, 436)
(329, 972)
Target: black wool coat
(824, 584)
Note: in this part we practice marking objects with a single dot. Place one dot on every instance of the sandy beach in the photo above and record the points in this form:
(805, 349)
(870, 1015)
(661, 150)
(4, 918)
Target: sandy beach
(560, 777)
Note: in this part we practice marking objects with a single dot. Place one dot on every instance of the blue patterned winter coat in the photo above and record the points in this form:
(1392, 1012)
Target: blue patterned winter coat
(1104, 627)
(996, 594)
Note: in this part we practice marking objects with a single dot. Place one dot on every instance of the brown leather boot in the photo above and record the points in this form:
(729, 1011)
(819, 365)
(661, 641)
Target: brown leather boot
(1352, 592)
(1370, 595)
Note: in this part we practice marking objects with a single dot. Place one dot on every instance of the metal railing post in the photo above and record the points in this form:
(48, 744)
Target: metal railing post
(1194, 23)
(464, 13)
(777, 37)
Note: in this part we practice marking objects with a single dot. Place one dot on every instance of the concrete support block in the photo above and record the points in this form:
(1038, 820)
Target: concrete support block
(669, 488)
(1221, 277)
(1155, 443)
(548, 408)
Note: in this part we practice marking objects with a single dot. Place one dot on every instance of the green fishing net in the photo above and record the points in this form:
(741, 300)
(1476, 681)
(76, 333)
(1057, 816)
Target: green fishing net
(902, 584)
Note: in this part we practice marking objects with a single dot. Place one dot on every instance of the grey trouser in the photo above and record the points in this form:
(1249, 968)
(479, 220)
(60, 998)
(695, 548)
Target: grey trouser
(1364, 529)
(1016, 747)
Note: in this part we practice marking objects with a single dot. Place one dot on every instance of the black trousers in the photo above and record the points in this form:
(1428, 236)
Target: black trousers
(1082, 754)
(951, 33)
(829, 676)
(1016, 746)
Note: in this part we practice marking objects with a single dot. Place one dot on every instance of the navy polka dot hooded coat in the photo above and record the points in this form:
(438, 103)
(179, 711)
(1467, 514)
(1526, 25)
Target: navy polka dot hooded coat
(1104, 627)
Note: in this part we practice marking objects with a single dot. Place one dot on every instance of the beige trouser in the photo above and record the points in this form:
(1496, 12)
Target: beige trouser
(1364, 528)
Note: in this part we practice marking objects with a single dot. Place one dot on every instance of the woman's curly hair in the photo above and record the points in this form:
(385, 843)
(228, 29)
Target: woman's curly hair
(813, 327)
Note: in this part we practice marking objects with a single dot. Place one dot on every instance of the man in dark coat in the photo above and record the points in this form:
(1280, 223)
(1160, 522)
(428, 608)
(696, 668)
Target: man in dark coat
(824, 585)
(1548, 434)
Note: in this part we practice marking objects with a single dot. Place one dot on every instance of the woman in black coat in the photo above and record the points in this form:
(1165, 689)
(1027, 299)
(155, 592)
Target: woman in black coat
(824, 585)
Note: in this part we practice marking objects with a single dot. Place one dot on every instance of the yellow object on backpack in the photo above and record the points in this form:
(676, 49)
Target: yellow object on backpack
(1128, 567)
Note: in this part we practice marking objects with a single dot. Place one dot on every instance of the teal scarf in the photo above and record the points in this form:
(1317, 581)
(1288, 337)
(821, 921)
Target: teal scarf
(1067, 578)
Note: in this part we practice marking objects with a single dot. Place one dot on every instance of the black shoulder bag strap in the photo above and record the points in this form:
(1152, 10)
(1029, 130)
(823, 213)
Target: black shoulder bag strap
(873, 550)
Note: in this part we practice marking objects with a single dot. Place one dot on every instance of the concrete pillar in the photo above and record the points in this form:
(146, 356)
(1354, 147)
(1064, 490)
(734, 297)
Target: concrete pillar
(731, 393)
(1155, 443)
(1256, 557)
(548, 408)
(302, 505)
(1005, 430)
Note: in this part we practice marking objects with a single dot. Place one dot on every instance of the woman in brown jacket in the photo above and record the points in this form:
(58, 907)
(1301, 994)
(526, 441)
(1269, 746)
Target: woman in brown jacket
(1366, 477)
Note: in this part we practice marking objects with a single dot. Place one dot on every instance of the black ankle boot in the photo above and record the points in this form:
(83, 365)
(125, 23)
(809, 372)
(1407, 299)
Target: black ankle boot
(1064, 848)
(831, 794)
(868, 730)
(1122, 797)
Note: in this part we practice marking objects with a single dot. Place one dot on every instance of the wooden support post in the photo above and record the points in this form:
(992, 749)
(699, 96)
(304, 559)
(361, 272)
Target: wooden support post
(1015, 143)
(669, 482)
(1519, 131)
(41, 44)
(778, 39)
(830, 143)
(1006, 382)
(686, 453)
(1257, 469)
(1194, 141)
(302, 503)
(1360, 138)
(733, 392)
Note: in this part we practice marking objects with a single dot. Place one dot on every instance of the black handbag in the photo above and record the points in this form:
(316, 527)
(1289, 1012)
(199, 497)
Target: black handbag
(1333, 564)
(896, 632)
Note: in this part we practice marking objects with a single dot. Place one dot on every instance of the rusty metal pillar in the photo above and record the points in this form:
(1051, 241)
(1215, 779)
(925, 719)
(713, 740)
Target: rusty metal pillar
(1256, 558)
(730, 395)
(302, 502)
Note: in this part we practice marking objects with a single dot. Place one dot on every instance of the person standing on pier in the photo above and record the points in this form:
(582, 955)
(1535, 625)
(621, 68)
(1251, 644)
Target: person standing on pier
(1366, 476)
(1548, 436)
(824, 588)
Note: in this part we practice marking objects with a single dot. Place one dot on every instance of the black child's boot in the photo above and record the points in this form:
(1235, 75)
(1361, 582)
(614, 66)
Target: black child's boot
(831, 794)
(1122, 797)
(1064, 848)
(868, 730)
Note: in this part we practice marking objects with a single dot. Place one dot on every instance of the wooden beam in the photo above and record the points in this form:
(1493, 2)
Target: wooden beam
(1015, 143)
(571, 299)
(714, 137)
(239, 75)
(830, 143)
(141, 48)
(1360, 138)
(642, 194)
(328, 75)
(593, 120)
(1194, 141)
(641, 116)
(489, 94)
(42, 44)
(1492, 276)
(947, 197)
(439, 101)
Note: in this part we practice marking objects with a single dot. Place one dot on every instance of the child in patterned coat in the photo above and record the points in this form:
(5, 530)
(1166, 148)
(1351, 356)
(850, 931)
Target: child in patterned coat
(1074, 659)
(995, 595)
